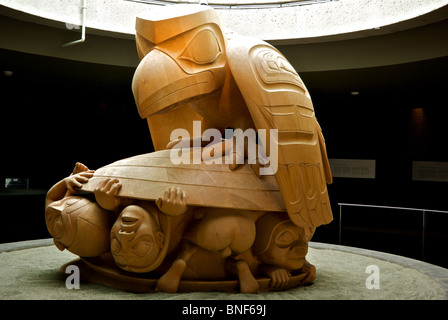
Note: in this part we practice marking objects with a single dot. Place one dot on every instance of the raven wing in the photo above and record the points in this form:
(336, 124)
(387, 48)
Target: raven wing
(278, 99)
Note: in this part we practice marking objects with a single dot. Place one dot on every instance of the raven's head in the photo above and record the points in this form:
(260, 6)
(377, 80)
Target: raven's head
(182, 53)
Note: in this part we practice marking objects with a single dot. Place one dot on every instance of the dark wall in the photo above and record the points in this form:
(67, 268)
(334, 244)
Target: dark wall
(398, 117)
(53, 114)
(56, 112)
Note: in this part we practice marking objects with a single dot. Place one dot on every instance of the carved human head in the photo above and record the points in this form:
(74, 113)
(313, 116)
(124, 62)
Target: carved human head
(79, 225)
(136, 239)
(280, 242)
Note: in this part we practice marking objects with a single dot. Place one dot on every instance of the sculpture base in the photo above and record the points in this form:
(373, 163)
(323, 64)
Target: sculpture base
(96, 271)
(29, 270)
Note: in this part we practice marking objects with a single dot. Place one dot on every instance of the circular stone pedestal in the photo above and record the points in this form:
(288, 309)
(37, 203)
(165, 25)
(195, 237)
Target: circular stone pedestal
(30, 270)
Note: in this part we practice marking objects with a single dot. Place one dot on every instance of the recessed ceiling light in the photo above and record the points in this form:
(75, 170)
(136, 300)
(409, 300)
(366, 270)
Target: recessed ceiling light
(354, 93)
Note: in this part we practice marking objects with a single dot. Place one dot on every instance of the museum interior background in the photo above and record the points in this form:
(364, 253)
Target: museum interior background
(63, 105)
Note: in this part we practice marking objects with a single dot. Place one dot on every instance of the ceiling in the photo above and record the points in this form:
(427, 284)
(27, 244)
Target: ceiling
(412, 60)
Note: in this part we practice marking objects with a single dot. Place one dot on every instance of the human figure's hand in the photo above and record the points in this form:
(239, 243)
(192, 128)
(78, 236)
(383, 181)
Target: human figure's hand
(235, 154)
(75, 181)
(173, 202)
(79, 167)
(279, 277)
(106, 194)
(311, 272)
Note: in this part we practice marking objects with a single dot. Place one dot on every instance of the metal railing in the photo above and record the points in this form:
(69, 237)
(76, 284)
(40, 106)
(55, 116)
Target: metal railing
(423, 211)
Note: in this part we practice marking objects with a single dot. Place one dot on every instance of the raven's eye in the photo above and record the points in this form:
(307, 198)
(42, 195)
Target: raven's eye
(203, 48)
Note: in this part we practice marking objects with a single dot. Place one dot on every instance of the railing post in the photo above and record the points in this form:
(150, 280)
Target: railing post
(340, 223)
(424, 219)
(423, 234)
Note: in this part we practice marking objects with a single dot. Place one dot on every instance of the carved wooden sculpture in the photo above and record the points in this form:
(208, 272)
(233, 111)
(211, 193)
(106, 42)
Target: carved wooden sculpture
(232, 81)
(149, 223)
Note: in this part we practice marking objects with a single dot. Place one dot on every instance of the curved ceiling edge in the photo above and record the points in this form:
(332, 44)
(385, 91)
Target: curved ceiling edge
(327, 21)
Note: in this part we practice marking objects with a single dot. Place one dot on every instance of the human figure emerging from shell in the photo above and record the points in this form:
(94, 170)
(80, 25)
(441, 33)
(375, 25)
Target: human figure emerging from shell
(141, 240)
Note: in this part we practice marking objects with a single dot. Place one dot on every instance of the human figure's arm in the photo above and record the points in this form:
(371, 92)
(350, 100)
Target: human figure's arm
(67, 186)
(106, 195)
(310, 270)
(173, 202)
(278, 275)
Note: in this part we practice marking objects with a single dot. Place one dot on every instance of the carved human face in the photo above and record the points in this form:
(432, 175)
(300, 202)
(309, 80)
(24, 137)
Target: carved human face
(287, 248)
(79, 225)
(61, 218)
(135, 239)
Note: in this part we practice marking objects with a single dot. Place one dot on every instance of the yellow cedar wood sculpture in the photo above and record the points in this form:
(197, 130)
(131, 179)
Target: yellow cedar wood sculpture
(190, 70)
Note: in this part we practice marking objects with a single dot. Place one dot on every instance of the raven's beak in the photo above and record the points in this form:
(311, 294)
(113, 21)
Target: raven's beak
(160, 83)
